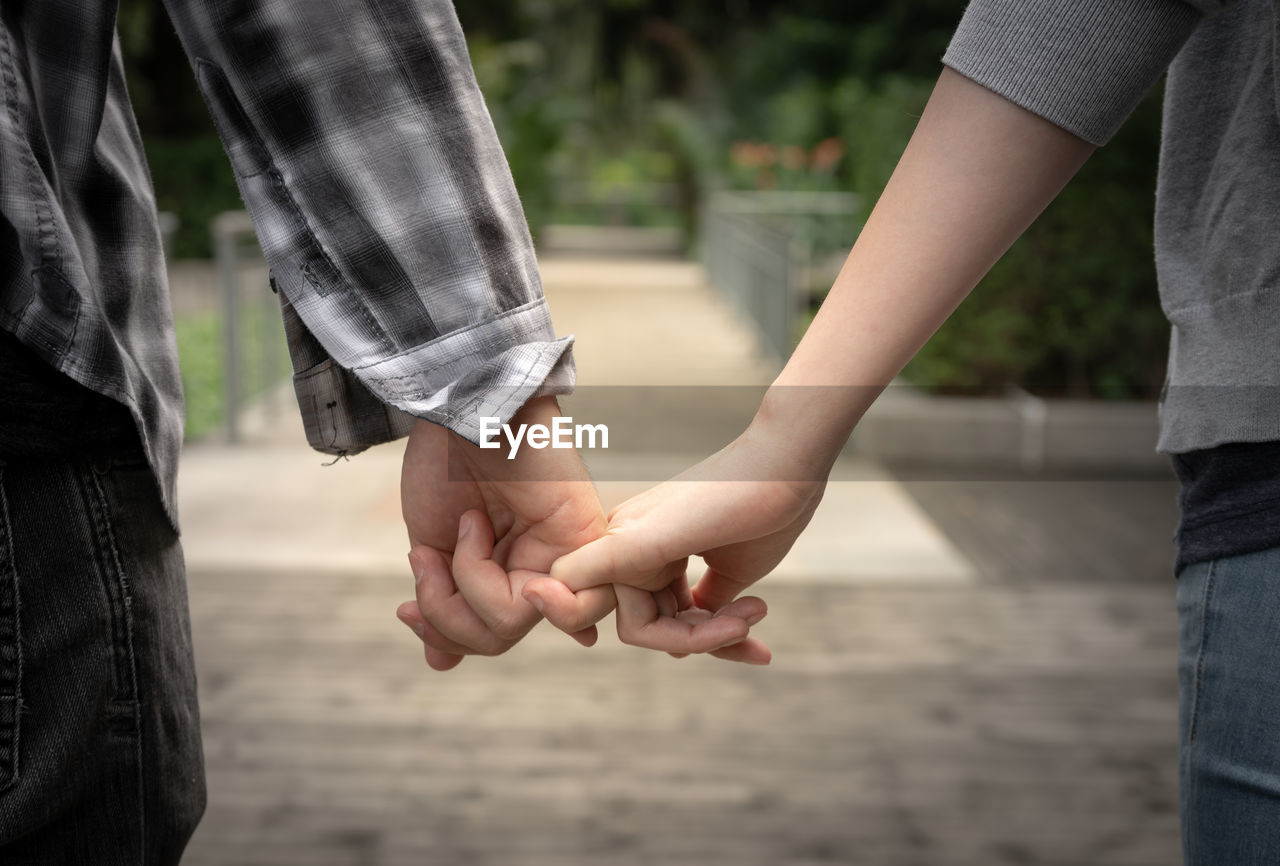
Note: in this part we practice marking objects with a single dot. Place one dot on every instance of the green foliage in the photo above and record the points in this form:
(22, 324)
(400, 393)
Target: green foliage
(200, 354)
(192, 179)
(201, 346)
(781, 77)
(875, 123)
(1071, 309)
(589, 137)
(532, 117)
(598, 104)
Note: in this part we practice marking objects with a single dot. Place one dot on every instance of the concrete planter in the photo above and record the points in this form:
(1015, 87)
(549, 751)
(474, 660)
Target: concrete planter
(1017, 432)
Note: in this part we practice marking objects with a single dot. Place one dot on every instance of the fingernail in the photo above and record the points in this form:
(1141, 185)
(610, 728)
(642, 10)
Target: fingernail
(534, 599)
(755, 618)
(418, 568)
(419, 629)
(464, 526)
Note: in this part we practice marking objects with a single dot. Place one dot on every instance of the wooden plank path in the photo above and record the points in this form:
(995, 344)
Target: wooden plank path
(1017, 529)
(1020, 723)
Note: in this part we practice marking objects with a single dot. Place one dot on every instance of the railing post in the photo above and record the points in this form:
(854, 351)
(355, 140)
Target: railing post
(1033, 417)
(168, 223)
(269, 331)
(228, 229)
(225, 245)
(799, 253)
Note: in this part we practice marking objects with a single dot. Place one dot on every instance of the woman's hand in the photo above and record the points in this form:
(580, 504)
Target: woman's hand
(740, 510)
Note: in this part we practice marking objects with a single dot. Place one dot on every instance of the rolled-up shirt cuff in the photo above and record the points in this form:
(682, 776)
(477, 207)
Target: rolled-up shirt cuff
(487, 370)
(1083, 65)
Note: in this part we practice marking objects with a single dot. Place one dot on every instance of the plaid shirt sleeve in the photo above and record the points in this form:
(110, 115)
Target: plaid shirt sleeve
(384, 205)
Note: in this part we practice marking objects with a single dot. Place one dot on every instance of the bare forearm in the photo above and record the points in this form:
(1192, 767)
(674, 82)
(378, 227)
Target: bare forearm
(976, 173)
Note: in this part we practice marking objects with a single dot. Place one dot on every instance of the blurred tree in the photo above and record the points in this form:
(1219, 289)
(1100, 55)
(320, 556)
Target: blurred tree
(190, 171)
(594, 83)
(618, 96)
(161, 86)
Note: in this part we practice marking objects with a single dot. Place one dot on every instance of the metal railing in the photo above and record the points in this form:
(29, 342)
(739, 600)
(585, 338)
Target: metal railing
(622, 219)
(236, 250)
(619, 204)
(769, 253)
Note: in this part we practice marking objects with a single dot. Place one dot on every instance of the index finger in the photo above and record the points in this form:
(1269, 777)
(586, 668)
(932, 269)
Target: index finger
(570, 610)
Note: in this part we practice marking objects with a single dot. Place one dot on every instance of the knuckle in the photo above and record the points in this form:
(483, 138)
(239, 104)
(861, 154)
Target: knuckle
(570, 620)
(574, 623)
(510, 628)
(437, 644)
(495, 646)
(631, 637)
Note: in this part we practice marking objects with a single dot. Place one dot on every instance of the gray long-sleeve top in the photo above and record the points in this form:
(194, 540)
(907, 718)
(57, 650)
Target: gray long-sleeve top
(1084, 65)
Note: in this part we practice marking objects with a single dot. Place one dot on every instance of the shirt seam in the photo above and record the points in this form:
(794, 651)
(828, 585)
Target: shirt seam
(50, 248)
(313, 247)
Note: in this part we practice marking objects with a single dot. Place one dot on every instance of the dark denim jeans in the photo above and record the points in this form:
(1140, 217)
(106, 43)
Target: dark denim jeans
(100, 759)
(1229, 713)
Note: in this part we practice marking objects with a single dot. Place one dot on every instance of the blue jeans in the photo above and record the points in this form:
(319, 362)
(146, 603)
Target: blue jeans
(1229, 710)
(100, 759)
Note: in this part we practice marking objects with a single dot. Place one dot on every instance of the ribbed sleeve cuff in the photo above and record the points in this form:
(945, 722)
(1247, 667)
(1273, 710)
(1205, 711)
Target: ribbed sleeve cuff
(1083, 65)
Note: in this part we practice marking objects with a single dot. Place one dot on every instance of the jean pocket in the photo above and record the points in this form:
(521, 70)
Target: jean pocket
(10, 650)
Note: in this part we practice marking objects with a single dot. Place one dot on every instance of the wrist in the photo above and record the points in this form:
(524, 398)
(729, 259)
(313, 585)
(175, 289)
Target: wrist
(530, 446)
(808, 426)
(787, 444)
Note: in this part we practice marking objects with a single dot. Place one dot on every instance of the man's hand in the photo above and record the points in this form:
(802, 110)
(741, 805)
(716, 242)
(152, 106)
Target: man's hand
(480, 526)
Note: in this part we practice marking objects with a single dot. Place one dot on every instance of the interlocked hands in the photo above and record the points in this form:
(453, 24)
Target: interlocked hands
(497, 544)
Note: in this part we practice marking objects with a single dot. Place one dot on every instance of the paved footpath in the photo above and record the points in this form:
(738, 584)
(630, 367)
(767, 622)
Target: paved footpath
(955, 682)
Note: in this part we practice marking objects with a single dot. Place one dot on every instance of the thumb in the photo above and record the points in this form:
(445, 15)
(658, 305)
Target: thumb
(475, 537)
(485, 584)
(717, 589)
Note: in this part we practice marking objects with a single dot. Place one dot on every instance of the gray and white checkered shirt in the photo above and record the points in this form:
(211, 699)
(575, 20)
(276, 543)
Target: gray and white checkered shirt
(379, 191)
